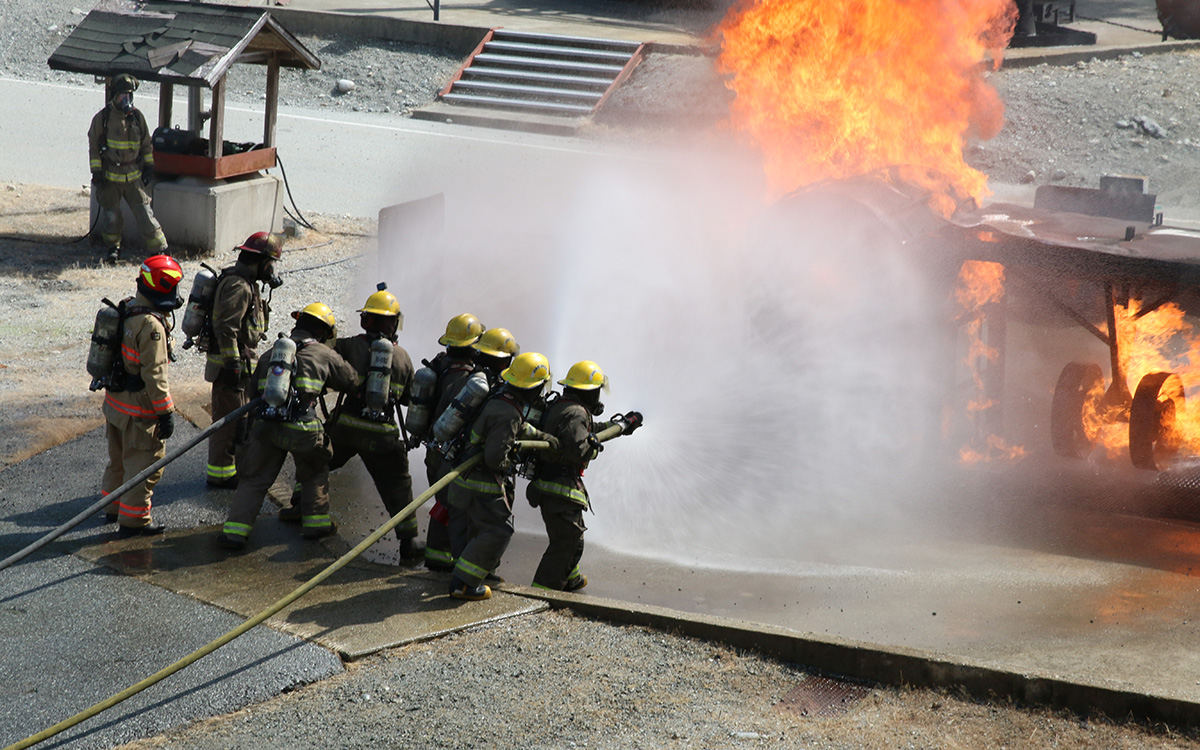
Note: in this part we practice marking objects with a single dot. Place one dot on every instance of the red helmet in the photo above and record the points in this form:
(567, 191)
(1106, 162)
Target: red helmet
(160, 273)
(264, 243)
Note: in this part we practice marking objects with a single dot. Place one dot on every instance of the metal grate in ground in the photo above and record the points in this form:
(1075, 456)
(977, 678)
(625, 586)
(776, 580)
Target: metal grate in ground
(822, 697)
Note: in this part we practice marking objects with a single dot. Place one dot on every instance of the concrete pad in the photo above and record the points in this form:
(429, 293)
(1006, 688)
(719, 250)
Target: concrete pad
(359, 610)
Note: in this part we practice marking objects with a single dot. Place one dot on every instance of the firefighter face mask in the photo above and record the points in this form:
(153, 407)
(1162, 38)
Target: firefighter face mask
(124, 101)
(266, 273)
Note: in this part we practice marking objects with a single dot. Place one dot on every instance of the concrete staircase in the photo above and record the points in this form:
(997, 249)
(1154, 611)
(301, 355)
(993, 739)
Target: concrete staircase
(528, 81)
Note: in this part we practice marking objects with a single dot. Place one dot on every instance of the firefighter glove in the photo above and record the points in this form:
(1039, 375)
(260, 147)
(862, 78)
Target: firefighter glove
(97, 176)
(166, 425)
(553, 441)
(594, 446)
(633, 420)
(147, 174)
(230, 377)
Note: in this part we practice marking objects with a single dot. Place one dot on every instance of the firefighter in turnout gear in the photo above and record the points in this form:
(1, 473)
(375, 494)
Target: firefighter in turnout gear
(452, 368)
(364, 422)
(121, 160)
(291, 378)
(557, 486)
(138, 410)
(237, 323)
(494, 352)
(481, 499)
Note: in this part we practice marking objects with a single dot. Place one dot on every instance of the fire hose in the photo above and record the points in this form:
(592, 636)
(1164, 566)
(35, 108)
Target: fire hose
(303, 589)
(91, 510)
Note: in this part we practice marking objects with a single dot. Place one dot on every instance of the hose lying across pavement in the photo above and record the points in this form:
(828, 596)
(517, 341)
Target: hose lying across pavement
(130, 484)
(261, 617)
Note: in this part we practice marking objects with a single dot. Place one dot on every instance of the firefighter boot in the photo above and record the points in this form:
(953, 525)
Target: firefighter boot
(411, 550)
(151, 529)
(112, 254)
(575, 583)
(460, 589)
(290, 513)
(231, 541)
(319, 532)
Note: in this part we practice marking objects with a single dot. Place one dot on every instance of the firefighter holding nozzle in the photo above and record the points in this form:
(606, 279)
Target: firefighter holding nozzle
(556, 487)
(291, 378)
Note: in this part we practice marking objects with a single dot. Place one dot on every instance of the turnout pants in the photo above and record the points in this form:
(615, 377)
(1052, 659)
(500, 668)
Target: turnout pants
(260, 462)
(112, 223)
(389, 471)
(437, 540)
(222, 444)
(564, 527)
(133, 445)
(483, 525)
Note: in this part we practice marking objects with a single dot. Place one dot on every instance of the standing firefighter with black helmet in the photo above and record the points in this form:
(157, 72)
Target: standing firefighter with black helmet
(481, 499)
(138, 409)
(238, 322)
(291, 379)
(364, 422)
(557, 484)
(121, 159)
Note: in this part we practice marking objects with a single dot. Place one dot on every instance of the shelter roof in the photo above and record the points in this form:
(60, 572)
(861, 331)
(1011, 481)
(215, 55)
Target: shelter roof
(175, 41)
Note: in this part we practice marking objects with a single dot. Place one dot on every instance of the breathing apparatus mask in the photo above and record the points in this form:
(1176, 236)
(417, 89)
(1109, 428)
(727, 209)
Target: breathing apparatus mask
(124, 101)
(268, 275)
(589, 399)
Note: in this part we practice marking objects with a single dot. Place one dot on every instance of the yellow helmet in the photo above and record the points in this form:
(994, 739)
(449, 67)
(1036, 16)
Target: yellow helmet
(498, 342)
(462, 330)
(382, 302)
(527, 370)
(585, 376)
(318, 310)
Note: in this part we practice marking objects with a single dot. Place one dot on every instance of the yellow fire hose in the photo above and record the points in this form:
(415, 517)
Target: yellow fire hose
(261, 617)
(140, 477)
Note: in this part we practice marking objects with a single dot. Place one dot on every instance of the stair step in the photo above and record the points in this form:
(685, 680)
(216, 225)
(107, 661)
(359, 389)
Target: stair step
(579, 41)
(591, 55)
(559, 79)
(518, 104)
(517, 89)
(545, 64)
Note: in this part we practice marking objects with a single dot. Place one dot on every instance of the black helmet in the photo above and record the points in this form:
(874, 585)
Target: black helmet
(124, 83)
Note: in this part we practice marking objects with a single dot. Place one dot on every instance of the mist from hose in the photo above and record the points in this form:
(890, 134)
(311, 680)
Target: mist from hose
(784, 377)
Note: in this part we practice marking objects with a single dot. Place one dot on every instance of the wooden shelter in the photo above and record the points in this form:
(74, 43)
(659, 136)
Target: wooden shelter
(175, 42)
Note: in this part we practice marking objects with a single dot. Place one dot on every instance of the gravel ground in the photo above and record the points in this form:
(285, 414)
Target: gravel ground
(556, 680)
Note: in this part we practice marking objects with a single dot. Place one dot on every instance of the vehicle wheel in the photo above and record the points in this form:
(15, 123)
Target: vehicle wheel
(1078, 384)
(1153, 437)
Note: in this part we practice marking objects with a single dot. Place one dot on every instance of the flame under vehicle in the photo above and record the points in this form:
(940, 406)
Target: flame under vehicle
(1101, 261)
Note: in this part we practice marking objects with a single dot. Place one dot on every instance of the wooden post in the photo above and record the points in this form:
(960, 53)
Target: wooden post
(272, 100)
(165, 92)
(216, 131)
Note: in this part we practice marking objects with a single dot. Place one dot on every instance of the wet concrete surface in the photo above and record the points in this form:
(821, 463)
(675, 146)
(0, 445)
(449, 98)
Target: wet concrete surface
(72, 633)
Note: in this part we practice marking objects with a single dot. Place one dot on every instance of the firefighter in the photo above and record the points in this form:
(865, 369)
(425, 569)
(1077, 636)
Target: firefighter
(121, 159)
(494, 351)
(452, 367)
(355, 430)
(293, 427)
(557, 484)
(481, 499)
(238, 322)
(138, 410)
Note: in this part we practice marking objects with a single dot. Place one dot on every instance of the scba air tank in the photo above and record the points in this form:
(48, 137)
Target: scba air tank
(379, 381)
(469, 397)
(106, 333)
(199, 305)
(279, 373)
(420, 408)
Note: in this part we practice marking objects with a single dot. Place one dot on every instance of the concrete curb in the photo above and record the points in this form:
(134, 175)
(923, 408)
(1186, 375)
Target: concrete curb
(1084, 54)
(882, 665)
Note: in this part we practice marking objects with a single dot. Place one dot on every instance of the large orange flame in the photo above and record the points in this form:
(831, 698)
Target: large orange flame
(833, 90)
(981, 284)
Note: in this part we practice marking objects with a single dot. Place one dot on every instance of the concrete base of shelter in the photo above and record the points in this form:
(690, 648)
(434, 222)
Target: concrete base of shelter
(208, 215)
